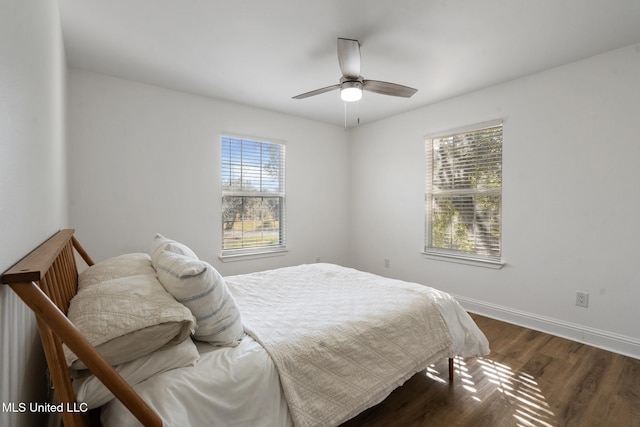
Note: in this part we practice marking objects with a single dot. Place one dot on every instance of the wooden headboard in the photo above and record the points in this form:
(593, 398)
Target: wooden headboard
(46, 280)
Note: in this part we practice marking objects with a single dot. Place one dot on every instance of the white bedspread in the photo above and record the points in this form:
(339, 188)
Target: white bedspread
(342, 339)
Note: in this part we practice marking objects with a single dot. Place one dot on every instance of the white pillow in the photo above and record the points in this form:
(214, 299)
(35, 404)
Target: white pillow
(161, 243)
(91, 391)
(133, 264)
(128, 317)
(200, 287)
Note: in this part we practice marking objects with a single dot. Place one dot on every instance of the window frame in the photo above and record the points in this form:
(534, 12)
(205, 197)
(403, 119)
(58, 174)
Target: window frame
(248, 252)
(453, 255)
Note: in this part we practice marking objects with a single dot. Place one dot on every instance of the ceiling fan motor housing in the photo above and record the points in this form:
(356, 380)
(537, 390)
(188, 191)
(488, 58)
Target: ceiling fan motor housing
(351, 90)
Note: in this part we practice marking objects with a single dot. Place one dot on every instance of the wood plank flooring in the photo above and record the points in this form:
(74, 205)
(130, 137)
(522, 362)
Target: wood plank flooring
(529, 379)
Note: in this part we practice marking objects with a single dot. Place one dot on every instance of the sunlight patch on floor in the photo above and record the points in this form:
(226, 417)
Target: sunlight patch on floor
(434, 374)
(522, 391)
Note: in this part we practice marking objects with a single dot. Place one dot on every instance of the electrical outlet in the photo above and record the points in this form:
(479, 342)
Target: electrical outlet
(386, 262)
(582, 299)
(317, 259)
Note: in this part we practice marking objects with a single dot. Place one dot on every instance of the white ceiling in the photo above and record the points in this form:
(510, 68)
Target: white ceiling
(261, 53)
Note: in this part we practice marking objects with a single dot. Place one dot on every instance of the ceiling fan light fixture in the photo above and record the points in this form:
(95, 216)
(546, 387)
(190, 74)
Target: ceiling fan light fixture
(352, 83)
(351, 91)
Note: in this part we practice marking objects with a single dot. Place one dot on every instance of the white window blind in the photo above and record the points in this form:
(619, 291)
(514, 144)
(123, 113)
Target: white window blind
(253, 195)
(464, 193)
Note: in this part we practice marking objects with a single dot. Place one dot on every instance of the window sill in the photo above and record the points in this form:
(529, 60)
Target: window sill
(461, 259)
(253, 255)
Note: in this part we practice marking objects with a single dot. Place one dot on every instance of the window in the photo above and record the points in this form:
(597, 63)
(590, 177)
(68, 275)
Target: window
(253, 196)
(464, 193)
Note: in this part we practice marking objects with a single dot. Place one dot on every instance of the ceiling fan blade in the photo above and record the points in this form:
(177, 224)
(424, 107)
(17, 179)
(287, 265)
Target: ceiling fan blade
(349, 58)
(316, 92)
(386, 88)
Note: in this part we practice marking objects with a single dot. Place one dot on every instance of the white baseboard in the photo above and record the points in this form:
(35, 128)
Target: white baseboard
(609, 341)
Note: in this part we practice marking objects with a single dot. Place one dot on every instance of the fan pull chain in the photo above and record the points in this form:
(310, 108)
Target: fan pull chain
(357, 114)
(345, 115)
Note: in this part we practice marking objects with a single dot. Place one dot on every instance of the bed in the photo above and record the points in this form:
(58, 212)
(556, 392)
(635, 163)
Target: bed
(308, 345)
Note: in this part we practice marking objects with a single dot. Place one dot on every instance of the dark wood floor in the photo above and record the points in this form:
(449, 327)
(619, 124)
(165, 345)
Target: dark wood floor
(529, 379)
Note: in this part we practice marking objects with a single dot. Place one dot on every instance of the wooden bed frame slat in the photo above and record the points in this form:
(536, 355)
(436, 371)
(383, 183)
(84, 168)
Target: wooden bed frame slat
(46, 280)
(78, 247)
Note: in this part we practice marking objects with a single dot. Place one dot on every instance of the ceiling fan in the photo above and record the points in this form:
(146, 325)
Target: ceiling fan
(352, 83)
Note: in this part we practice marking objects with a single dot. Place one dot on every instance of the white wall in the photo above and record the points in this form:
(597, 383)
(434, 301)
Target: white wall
(146, 160)
(570, 200)
(33, 197)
